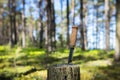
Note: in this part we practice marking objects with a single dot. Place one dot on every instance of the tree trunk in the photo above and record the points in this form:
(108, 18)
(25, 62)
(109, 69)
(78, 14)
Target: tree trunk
(82, 26)
(3, 27)
(41, 24)
(12, 7)
(64, 72)
(51, 26)
(14, 22)
(68, 35)
(10, 10)
(48, 38)
(85, 26)
(31, 27)
(107, 21)
(73, 12)
(31, 32)
(117, 42)
(60, 36)
(41, 35)
(23, 25)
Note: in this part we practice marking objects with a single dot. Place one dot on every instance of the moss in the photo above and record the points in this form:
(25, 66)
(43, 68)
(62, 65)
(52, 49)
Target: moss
(94, 64)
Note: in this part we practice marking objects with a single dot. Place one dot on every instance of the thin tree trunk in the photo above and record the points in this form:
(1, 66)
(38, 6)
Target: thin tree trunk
(41, 35)
(117, 42)
(107, 21)
(3, 26)
(62, 31)
(51, 25)
(31, 28)
(73, 12)
(14, 22)
(23, 25)
(46, 30)
(11, 23)
(41, 24)
(68, 35)
(85, 26)
(48, 38)
(31, 34)
(82, 26)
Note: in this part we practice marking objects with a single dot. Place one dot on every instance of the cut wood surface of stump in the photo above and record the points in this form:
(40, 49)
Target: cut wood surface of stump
(64, 72)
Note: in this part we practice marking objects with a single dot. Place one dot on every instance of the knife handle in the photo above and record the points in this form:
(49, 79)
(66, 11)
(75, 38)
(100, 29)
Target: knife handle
(73, 36)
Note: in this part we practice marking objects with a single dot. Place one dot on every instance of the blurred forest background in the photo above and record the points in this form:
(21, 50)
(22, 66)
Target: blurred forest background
(35, 34)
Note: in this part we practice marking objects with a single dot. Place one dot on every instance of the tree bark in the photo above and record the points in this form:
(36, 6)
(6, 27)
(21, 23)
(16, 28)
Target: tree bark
(10, 10)
(85, 25)
(68, 35)
(51, 26)
(64, 72)
(82, 28)
(12, 7)
(23, 25)
(48, 38)
(41, 24)
(14, 22)
(107, 21)
(73, 12)
(117, 42)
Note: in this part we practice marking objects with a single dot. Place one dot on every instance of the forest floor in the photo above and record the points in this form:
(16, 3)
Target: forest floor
(32, 63)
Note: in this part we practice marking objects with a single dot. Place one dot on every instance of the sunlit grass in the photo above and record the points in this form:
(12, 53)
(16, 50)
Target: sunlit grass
(38, 75)
(22, 69)
(6, 56)
(59, 55)
(36, 53)
(2, 48)
(86, 75)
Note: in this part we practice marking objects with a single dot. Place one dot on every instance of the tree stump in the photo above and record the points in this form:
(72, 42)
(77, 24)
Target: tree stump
(64, 72)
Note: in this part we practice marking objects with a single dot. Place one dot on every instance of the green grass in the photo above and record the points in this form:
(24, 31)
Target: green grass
(32, 63)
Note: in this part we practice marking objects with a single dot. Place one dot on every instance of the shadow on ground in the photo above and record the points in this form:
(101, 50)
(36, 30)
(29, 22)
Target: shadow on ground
(108, 73)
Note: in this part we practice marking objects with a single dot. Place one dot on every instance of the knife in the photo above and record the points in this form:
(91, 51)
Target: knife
(73, 38)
